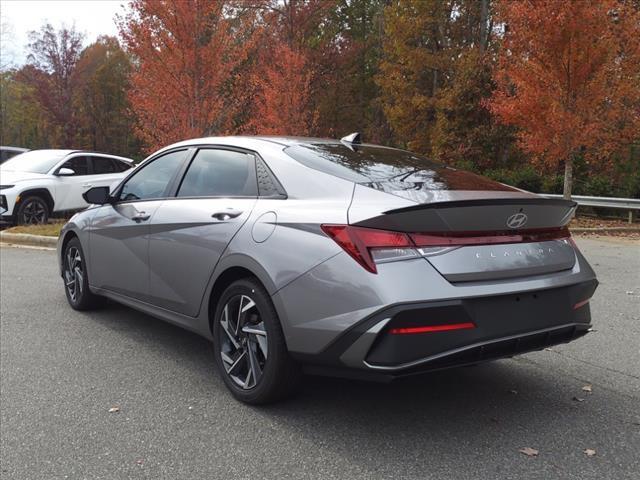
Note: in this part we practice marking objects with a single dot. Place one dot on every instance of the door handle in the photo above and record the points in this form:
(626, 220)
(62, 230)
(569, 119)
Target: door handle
(140, 217)
(87, 185)
(227, 214)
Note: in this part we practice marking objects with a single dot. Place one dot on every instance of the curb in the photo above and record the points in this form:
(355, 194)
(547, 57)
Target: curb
(28, 239)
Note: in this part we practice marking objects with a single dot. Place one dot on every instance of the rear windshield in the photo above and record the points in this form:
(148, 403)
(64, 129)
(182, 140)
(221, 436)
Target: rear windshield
(388, 169)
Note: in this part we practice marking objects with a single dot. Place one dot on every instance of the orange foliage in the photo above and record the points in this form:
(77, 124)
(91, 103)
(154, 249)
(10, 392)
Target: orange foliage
(283, 93)
(186, 54)
(569, 77)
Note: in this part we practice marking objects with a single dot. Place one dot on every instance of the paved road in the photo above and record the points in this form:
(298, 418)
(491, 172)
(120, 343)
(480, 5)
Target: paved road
(61, 371)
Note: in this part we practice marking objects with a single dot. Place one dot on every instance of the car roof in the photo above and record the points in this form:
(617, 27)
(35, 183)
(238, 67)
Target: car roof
(14, 149)
(285, 141)
(65, 152)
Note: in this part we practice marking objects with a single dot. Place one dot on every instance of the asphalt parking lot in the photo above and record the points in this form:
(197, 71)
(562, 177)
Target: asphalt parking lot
(62, 371)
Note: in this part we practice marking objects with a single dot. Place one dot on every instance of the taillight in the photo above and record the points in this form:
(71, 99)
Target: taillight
(369, 246)
(360, 242)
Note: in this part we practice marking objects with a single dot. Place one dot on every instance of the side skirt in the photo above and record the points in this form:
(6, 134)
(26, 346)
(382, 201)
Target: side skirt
(193, 324)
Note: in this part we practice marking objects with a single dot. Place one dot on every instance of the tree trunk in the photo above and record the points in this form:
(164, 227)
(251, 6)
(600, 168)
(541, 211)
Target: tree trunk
(568, 177)
(484, 16)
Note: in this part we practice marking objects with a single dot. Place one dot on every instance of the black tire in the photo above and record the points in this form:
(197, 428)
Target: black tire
(279, 374)
(76, 281)
(32, 210)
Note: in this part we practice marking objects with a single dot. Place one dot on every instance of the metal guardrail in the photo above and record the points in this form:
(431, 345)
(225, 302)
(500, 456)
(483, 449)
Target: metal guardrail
(607, 202)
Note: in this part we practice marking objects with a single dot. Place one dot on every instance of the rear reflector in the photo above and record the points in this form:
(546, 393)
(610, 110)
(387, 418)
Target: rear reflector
(581, 304)
(432, 328)
(359, 241)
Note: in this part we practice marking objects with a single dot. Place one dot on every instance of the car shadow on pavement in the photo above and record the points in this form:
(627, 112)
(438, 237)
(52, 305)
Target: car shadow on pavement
(483, 388)
(499, 406)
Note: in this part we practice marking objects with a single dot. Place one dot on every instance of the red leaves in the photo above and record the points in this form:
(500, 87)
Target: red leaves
(185, 78)
(283, 86)
(565, 76)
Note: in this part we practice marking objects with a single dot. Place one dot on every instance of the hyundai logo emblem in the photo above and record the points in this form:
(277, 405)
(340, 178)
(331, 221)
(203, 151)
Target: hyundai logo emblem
(517, 220)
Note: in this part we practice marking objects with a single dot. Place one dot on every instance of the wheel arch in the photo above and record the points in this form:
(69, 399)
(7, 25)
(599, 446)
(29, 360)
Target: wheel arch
(234, 268)
(41, 192)
(68, 236)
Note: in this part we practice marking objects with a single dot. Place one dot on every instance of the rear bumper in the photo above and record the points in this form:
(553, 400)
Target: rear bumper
(504, 326)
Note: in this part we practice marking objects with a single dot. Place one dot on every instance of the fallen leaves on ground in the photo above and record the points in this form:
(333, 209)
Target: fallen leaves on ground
(529, 452)
(591, 222)
(577, 399)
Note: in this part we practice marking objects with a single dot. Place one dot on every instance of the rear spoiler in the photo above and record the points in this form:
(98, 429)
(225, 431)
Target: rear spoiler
(476, 215)
(488, 202)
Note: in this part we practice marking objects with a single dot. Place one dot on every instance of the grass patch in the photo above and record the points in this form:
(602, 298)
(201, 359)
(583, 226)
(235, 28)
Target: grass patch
(48, 230)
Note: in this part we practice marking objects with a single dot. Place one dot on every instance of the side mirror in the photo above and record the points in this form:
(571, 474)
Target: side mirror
(65, 172)
(97, 195)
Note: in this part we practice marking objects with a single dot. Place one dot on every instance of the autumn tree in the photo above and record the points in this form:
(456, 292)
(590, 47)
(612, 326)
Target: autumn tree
(53, 57)
(569, 78)
(21, 120)
(351, 36)
(433, 76)
(287, 71)
(101, 99)
(186, 58)
(282, 101)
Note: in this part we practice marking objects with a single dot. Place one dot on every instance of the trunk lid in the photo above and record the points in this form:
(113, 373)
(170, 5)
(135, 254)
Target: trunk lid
(476, 236)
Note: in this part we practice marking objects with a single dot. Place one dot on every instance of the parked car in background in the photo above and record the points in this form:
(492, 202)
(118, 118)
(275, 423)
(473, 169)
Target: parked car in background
(343, 258)
(8, 152)
(36, 184)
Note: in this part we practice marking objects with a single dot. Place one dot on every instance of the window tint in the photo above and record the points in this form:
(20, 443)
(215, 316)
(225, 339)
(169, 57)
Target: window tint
(80, 165)
(152, 180)
(388, 169)
(216, 173)
(102, 165)
(7, 153)
(122, 166)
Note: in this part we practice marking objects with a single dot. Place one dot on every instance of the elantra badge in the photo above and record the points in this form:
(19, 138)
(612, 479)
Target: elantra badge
(517, 220)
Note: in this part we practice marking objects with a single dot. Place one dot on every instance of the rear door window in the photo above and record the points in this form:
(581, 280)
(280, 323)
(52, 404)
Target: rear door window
(103, 165)
(220, 173)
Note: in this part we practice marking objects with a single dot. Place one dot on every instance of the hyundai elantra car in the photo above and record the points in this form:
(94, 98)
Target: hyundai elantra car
(334, 257)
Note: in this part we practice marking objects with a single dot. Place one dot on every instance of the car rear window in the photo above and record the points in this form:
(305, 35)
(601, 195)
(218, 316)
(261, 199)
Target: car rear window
(388, 169)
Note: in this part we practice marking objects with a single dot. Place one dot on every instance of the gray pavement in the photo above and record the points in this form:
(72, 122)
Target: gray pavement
(61, 371)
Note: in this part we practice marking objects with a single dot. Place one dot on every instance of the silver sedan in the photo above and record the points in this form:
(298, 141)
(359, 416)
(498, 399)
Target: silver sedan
(329, 256)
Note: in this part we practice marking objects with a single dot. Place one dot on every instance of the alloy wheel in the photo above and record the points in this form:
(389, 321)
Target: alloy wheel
(34, 212)
(73, 273)
(243, 345)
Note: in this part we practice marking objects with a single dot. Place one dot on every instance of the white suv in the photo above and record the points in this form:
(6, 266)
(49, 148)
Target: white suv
(36, 184)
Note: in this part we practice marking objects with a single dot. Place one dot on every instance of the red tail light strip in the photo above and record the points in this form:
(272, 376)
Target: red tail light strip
(581, 304)
(432, 328)
(488, 238)
(357, 241)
